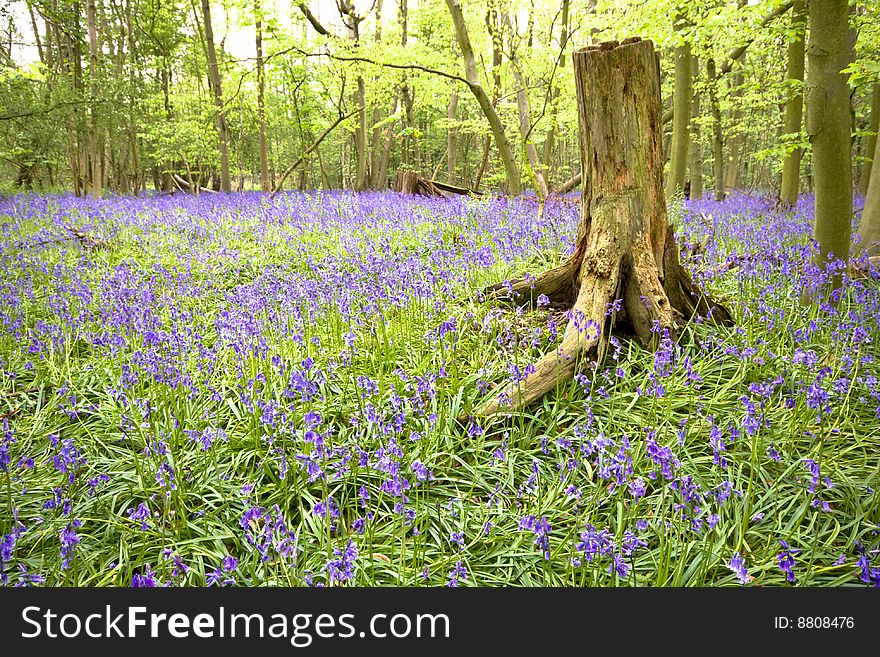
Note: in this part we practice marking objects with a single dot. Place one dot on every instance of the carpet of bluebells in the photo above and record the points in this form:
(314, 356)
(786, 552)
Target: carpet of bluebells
(237, 391)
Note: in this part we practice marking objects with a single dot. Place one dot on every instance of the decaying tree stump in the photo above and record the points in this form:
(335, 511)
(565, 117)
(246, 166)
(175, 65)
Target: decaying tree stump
(409, 182)
(625, 266)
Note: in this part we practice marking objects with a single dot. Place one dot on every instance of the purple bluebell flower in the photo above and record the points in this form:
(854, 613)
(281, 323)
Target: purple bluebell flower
(458, 574)
(341, 567)
(785, 561)
(738, 566)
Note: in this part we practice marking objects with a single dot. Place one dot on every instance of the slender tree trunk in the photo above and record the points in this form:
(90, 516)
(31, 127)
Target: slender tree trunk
(97, 174)
(731, 177)
(532, 161)
(82, 146)
(501, 141)
(869, 225)
(405, 93)
(217, 89)
(494, 29)
(695, 155)
(791, 165)
(717, 135)
(377, 148)
(132, 103)
(360, 137)
(265, 184)
(828, 126)
(484, 161)
(550, 140)
(380, 173)
(871, 140)
(681, 118)
(625, 252)
(451, 139)
(36, 30)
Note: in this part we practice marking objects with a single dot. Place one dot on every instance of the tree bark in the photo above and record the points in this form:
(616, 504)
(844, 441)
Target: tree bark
(794, 106)
(217, 89)
(695, 155)
(625, 266)
(828, 126)
(501, 141)
(681, 102)
(871, 140)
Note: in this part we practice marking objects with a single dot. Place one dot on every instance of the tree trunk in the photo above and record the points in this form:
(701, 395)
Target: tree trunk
(217, 89)
(794, 106)
(97, 174)
(484, 161)
(451, 138)
(265, 185)
(695, 155)
(828, 126)
(717, 135)
(380, 174)
(625, 266)
(871, 140)
(530, 151)
(501, 142)
(731, 178)
(869, 226)
(132, 114)
(360, 137)
(550, 140)
(681, 120)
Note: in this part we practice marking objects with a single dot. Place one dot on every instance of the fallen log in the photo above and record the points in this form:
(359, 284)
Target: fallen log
(86, 240)
(184, 185)
(461, 191)
(410, 182)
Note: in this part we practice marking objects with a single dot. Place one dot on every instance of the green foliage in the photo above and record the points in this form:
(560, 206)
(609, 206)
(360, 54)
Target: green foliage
(152, 81)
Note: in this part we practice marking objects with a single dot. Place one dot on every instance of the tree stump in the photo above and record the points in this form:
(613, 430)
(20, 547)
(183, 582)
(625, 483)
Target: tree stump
(625, 266)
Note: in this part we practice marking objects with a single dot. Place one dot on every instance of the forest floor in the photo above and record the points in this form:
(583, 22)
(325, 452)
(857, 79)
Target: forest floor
(231, 390)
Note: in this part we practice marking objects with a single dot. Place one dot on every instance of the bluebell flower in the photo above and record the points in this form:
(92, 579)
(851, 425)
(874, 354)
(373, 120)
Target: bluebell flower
(785, 561)
(341, 567)
(738, 566)
(458, 574)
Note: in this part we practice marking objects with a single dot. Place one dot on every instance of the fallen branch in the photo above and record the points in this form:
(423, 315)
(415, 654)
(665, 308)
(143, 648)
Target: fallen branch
(184, 186)
(568, 185)
(86, 240)
(461, 191)
(12, 393)
(857, 270)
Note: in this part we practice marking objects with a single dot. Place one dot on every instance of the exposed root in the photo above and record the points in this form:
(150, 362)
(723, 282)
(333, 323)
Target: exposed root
(557, 284)
(611, 272)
